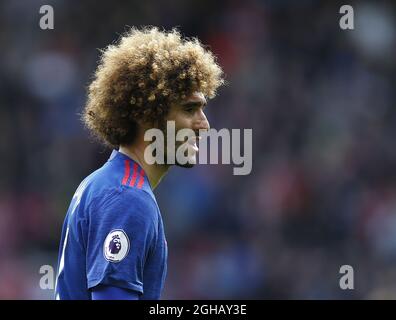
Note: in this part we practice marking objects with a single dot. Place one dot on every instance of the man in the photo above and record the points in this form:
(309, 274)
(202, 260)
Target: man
(113, 244)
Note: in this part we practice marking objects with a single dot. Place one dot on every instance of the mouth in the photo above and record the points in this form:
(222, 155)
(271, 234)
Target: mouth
(192, 142)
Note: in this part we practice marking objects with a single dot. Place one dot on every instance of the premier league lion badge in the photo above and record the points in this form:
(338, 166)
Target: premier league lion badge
(116, 246)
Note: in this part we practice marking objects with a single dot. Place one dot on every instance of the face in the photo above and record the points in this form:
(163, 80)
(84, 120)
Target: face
(189, 114)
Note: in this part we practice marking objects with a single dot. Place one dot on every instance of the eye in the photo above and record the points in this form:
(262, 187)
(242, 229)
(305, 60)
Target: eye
(190, 110)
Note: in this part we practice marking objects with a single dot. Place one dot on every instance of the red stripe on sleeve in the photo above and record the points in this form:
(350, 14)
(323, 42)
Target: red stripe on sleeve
(141, 180)
(127, 170)
(135, 166)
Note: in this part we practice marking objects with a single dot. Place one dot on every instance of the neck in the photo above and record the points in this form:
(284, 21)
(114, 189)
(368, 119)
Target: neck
(154, 172)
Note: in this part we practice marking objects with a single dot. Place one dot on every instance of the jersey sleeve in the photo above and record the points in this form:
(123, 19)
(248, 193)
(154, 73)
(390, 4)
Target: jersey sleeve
(122, 231)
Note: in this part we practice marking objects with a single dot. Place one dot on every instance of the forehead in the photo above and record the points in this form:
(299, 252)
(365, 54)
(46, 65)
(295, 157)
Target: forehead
(197, 97)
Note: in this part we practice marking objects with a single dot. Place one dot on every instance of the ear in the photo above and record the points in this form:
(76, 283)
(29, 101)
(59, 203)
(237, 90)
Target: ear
(142, 125)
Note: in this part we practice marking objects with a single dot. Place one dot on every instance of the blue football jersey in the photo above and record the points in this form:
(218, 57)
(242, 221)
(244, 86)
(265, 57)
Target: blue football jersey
(113, 234)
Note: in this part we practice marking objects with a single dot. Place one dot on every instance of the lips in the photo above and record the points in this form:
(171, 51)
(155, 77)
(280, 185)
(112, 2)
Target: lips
(192, 142)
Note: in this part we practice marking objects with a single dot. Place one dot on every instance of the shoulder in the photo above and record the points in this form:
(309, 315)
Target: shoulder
(124, 203)
(123, 180)
(126, 211)
(133, 198)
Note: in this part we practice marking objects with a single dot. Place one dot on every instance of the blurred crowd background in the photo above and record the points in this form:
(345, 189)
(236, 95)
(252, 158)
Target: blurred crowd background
(320, 101)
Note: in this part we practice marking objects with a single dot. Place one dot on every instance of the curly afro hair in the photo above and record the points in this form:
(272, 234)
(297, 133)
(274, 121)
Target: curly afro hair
(139, 78)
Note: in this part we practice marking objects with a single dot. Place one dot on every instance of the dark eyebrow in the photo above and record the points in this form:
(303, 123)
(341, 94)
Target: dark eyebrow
(194, 104)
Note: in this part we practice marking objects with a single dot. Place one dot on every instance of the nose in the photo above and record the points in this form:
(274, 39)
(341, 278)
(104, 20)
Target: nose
(201, 122)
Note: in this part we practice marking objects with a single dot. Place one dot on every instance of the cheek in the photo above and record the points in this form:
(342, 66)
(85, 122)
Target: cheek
(179, 119)
(182, 122)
